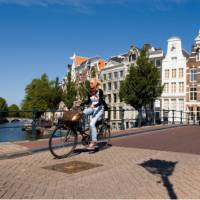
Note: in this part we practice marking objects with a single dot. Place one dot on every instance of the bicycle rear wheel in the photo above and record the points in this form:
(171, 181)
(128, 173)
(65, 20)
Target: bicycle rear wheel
(104, 133)
(62, 142)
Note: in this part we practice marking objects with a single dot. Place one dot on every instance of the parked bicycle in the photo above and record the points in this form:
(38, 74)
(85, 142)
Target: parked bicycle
(69, 130)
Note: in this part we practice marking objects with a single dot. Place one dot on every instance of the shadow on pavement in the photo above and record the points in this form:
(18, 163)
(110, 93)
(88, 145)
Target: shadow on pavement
(164, 169)
(101, 146)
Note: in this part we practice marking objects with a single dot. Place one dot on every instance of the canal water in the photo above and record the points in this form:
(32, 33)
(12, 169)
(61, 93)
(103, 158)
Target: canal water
(10, 132)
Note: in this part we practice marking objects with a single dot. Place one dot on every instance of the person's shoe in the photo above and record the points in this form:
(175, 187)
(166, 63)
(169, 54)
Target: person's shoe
(92, 146)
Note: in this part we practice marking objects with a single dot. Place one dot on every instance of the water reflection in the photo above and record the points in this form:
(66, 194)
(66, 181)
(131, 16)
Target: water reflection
(10, 132)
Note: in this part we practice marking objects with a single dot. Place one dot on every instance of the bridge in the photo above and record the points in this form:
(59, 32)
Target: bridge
(12, 119)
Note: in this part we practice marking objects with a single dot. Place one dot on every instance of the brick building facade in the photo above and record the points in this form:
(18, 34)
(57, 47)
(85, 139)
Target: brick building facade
(193, 82)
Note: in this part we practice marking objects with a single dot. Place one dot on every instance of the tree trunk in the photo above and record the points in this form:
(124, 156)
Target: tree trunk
(139, 117)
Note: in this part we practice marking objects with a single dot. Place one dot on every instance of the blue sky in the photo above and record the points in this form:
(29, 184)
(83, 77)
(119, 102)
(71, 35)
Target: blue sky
(39, 36)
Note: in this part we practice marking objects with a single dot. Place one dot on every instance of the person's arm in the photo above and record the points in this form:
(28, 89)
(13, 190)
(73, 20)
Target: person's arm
(101, 101)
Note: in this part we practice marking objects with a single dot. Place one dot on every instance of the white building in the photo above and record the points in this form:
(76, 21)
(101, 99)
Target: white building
(115, 71)
(174, 80)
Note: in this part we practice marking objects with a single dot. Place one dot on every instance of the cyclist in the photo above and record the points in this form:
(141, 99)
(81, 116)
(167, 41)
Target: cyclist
(96, 108)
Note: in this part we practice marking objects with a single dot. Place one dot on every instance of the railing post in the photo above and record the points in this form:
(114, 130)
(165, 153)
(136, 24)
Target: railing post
(193, 119)
(181, 122)
(154, 117)
(122, 119)
(173, 117)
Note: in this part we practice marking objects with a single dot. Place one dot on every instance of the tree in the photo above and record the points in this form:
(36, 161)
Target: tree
(84, 88)
(13, 110)
(42, 94)
(142, 85)
(69, 95)
(3, 107)
(93, 72)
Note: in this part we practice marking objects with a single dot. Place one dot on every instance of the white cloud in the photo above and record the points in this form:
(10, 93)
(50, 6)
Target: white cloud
(83, 6)
(75, 3)
(87, 6)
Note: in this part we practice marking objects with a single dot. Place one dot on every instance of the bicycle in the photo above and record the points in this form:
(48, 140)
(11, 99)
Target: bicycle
(64, 138)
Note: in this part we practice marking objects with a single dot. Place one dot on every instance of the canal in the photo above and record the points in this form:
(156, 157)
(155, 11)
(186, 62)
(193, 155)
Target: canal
(10, 132)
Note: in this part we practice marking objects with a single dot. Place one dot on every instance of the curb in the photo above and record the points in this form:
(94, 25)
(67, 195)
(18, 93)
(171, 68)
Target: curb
(15, 154)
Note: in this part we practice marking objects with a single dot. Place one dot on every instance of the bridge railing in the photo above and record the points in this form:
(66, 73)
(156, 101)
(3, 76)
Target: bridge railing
(39, 123)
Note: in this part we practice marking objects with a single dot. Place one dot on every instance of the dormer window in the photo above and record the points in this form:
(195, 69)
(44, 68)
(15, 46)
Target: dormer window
(174, 60)
(173, 48)
(132, 57)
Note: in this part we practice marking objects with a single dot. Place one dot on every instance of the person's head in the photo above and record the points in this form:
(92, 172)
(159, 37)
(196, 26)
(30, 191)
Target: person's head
(93, 83)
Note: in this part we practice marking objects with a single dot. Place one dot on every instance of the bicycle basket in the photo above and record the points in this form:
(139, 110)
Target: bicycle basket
(71, 116)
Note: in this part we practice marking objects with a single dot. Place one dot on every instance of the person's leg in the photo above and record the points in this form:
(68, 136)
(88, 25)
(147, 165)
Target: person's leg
(86, 113)
(93, 127)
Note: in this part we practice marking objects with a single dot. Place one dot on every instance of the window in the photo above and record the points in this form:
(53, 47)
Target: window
(116, 75)
(104, 77)
(198, 113)
(115, 98)
(181, 87)
(114, 113)
(181, 104)
(109, 98)
(115, 85)
(180, 72)
(166, 88)
(131, 124)
(198, 55)
(110, 76)
(109, 86)
(174, 60)
(193, 93)
(173, 73)
(167, 74)
(158, 63)
(104, 87)
(121, 74)
(132, 57)
(166, 104)
(173, 87)
(114, 125)
(173, 104)
(191, 114)
(193, 74)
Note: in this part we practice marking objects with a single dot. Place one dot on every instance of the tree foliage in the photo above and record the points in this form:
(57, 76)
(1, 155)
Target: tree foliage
(142, 84)
(84, 88)
(93, 72)
(70, 93)
(13, 110)
(3, 107)
(42, 94)
(3, 104)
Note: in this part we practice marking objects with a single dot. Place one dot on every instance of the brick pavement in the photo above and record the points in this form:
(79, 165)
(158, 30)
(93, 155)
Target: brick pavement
(121, 176)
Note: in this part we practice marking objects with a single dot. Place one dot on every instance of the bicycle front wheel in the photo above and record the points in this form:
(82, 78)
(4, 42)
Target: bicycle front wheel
(62, 142)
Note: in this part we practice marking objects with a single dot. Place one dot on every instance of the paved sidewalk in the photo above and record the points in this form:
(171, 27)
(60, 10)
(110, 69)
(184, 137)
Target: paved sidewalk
(21, 148)
(130, 170)
(125, 173)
